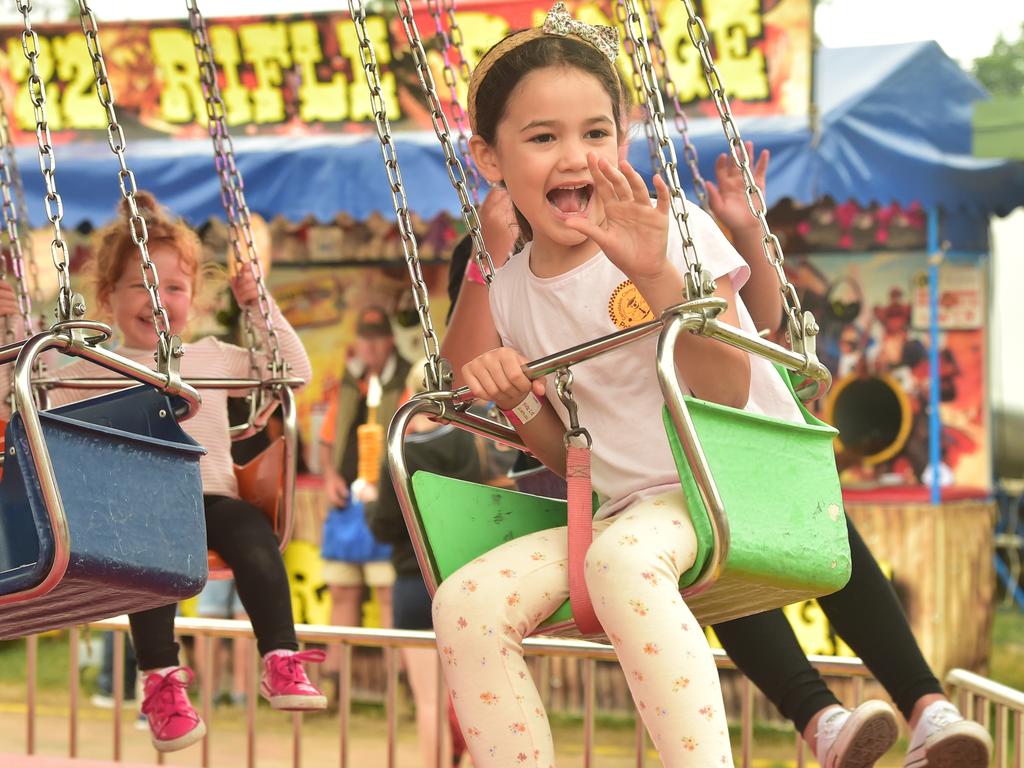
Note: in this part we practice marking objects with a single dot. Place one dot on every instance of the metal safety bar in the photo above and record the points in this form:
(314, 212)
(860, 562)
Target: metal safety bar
(255, 421)
(197, 383)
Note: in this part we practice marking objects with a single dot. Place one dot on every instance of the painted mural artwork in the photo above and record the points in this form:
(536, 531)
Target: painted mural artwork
(863, 272)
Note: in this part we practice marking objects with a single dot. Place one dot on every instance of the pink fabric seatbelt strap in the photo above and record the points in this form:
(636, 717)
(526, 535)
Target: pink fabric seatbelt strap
(581, 533)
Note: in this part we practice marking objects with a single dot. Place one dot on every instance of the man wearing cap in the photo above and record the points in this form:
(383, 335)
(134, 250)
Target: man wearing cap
(372, 353)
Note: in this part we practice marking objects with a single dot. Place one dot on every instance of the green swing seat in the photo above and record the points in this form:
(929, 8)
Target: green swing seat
(777, 480)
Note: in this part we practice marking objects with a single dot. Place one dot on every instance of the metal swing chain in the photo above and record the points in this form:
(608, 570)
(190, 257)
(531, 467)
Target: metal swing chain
(232, 194)
(14, 229)
(638, 90)
(47, 164)
(698, 284)
(12, 226)
(456, 174)
(10, 218)
(801, 325)
(168, 347)
(451, 47)
(27, 245)
(700, 186)
(435, 377)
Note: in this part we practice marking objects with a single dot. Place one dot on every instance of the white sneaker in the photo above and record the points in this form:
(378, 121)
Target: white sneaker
(855, 739)
(944, 739)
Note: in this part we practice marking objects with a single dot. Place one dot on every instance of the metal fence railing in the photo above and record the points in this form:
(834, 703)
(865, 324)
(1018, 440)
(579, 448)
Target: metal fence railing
(989, 702)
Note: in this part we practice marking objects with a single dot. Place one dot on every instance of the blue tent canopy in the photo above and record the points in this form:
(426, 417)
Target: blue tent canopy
(894, 126)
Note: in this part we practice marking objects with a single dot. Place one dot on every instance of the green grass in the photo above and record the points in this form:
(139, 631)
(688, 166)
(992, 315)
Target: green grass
(1007, 662)
(52, 664)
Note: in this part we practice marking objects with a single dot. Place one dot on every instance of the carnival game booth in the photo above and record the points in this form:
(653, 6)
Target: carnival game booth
(865, 190)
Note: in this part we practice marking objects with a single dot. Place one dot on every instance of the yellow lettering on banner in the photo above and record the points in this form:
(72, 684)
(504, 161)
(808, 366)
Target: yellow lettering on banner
(479, 32)
(317, 100)
(228, 55)
(265, 46)
(181, 98)
(734, 23)
(683, 59)
(359, 97)
(79, 103)
(24, 115)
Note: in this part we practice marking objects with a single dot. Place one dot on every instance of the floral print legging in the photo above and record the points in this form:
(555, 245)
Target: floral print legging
(484, 610)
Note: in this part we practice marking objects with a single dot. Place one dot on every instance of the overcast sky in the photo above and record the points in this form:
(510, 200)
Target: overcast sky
(965, 30)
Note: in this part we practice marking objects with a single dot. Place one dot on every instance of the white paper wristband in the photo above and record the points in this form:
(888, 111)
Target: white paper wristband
(525, 411)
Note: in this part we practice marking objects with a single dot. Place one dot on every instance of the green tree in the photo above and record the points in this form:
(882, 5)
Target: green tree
(1002, 71)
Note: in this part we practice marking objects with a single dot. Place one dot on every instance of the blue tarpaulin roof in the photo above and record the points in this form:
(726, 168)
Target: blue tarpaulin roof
(894, 126)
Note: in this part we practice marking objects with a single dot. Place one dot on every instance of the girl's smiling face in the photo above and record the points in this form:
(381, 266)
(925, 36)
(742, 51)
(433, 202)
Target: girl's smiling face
(553, 119)
(129, 300)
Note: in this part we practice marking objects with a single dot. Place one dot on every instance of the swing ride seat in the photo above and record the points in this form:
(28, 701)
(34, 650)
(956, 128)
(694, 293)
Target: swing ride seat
(777, 480)
(129, 483)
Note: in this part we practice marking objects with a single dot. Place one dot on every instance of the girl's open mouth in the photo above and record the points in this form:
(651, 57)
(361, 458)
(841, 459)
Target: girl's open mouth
(571, 199)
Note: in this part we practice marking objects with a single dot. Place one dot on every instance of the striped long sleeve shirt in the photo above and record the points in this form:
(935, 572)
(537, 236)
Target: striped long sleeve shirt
(205, 358)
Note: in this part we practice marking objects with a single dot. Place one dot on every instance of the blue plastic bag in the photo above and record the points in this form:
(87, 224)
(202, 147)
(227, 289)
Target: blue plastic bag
(348, 539)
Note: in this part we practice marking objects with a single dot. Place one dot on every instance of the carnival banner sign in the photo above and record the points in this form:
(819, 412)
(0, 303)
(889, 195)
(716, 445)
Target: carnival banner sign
(302, 74)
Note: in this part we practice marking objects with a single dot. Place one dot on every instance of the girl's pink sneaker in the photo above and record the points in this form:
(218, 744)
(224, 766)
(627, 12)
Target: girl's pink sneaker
(173, 723)
(284, 683)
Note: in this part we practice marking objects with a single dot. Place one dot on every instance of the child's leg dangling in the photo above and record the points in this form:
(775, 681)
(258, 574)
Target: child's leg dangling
(481, 615)
(632, 572)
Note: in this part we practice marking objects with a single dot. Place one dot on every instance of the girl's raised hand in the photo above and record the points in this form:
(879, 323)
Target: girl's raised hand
(243, 285)
(634, 233)
(498, 376)
(727, 198)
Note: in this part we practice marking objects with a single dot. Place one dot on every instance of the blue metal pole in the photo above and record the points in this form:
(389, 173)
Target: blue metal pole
(934, 421)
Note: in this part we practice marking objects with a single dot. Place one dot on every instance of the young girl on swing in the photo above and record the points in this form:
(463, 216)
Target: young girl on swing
(236, 530)
(547, 112)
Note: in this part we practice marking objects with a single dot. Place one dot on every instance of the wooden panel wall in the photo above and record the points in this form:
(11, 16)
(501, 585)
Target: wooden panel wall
(941, 558)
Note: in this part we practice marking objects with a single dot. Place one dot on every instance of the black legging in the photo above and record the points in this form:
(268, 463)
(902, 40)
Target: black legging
(865, 613)
(244, 538)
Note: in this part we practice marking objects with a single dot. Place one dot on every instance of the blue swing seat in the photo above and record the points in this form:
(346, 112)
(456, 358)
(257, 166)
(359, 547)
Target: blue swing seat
(129, 482)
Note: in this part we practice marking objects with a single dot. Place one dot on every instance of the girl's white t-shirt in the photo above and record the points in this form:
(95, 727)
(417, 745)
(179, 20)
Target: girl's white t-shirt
(618, 394)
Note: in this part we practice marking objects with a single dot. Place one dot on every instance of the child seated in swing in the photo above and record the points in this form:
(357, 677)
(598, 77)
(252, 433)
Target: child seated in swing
(236, 530)
(547, 110)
